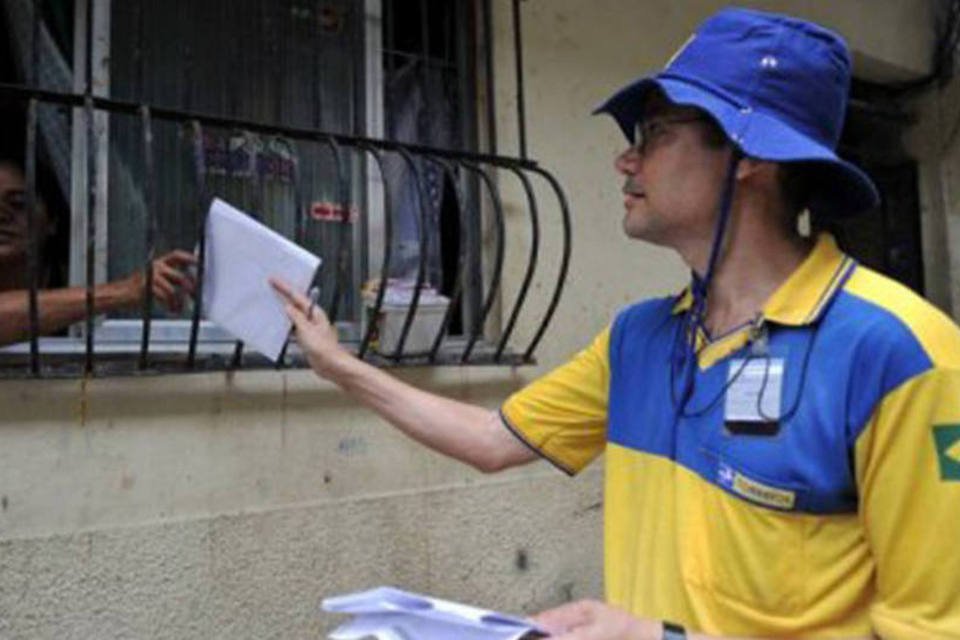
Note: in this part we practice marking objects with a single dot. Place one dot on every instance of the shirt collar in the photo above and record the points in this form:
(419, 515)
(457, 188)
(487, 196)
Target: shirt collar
(804, 296)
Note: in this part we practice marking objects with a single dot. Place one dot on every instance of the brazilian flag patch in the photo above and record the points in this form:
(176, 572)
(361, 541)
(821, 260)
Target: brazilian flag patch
(947, 439)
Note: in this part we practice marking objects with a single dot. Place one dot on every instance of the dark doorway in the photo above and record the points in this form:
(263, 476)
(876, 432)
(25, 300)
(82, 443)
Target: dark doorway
(887, 239)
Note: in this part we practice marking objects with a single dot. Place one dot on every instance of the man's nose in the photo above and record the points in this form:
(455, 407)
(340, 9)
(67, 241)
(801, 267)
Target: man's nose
(628, 161)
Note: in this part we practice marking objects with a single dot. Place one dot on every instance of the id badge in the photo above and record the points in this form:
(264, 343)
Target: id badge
(753, 396)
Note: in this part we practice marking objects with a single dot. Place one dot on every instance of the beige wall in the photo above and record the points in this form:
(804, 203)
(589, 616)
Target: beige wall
(226, 506)
(935, 141)
(576, 53)
(222, 505)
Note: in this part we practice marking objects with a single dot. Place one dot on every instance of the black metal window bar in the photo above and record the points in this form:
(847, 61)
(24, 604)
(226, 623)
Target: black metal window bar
(485, 167)
(470, 349)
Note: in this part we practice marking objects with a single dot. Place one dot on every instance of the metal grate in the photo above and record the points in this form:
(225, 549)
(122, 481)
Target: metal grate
(472, 177)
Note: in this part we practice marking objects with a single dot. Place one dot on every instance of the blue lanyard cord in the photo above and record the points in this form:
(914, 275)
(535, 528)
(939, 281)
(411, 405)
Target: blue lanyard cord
(726, 202)
(699, 288)
(803, 381)
(842, 272)
(696, 413)
(721, 394)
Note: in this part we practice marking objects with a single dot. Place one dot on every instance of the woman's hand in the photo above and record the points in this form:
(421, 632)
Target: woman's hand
(172, 282)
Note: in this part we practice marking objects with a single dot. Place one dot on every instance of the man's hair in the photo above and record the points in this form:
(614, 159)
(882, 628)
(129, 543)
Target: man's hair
(712, 134)
(793, 177)
(795, 183)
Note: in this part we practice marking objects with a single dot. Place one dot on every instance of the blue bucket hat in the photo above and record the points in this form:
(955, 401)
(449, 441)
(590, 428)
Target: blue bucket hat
(777, 86)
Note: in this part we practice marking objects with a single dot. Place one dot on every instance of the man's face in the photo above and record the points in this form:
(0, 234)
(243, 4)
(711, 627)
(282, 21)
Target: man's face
(673, 177)
(13, 214)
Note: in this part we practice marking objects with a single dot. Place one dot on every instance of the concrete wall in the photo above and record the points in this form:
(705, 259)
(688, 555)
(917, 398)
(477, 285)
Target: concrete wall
(936, 143)
(212, 506)
(577, 53)
(222, 505)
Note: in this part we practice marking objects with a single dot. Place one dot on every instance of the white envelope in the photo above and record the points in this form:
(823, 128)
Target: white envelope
(386, 613)
(241, 255)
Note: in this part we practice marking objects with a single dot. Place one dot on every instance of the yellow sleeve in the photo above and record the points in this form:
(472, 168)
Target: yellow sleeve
(908, 476)
(563, 415)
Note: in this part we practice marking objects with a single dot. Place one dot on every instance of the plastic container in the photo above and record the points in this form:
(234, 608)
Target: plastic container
(431, 309)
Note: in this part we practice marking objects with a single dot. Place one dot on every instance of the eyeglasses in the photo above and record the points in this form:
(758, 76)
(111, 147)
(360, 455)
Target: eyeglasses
(647, 131)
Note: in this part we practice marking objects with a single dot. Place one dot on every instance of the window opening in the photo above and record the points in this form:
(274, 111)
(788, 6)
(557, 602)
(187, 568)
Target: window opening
(160, 127)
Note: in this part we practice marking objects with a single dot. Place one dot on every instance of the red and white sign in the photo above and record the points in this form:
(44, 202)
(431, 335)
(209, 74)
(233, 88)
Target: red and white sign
(332, 212)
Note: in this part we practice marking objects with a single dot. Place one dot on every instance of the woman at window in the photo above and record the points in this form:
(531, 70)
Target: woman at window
(59, 307)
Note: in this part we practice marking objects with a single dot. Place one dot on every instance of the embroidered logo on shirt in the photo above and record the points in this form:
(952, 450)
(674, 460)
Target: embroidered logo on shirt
(754, 490)
(947, 440)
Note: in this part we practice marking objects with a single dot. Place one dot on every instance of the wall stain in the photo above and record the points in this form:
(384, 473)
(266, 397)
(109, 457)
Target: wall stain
(521, 562)
(596, 506)
(353, 446)
(4, 503)
(84, 400)
(283, 412)
(127, 480)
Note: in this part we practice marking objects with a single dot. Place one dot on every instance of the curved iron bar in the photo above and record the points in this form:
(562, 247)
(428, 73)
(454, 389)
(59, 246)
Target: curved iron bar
(531, 262)
(461, 259)
(177, 115)
(564, 261)
(518, 71)
(341, 253)
(90, 103)
(300, 224)
(33, 237)
(422, 267)
(199, 163)
(91, 244)
(387, 254)
(151, 233)
(497, 260)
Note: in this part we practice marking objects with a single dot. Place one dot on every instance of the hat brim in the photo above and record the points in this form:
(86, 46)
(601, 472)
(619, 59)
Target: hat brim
(839, 188)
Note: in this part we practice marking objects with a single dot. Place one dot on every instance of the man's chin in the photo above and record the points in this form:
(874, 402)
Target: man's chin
(635, 230)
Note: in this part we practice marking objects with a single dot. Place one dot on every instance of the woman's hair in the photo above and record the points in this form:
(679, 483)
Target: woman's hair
(55, 250)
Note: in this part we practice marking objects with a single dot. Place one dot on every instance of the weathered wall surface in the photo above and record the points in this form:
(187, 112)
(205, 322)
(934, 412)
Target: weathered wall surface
(210, 506)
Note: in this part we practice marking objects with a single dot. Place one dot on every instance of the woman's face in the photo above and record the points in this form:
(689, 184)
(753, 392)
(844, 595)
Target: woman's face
(13, 215)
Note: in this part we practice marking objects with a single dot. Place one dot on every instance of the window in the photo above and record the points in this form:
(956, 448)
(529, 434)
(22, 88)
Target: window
(241, 97)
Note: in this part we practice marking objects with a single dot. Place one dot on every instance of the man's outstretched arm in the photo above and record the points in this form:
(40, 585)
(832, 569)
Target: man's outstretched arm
(466, 432)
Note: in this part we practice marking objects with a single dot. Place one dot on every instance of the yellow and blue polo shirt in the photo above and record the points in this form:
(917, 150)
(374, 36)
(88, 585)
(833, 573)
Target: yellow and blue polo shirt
(842, 520)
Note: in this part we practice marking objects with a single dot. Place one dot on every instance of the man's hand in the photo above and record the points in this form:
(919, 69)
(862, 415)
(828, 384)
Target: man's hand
(315, 335)
(472, 434)
(592, 620)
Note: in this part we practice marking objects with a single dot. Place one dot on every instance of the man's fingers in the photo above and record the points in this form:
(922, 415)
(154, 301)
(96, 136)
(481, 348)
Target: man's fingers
(298, 318)
(565, 617)
(577, 634)
(291, 297)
